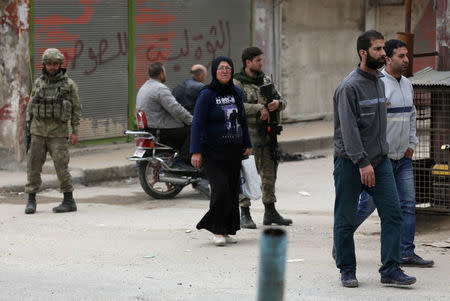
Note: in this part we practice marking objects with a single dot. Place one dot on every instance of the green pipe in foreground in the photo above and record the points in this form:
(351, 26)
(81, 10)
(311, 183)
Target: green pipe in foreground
(272, 265)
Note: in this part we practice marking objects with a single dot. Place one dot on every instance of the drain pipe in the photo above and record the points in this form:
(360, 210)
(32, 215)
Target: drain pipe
(408, 38)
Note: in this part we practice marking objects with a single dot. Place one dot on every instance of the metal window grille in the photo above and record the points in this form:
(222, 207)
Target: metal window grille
(432, 155)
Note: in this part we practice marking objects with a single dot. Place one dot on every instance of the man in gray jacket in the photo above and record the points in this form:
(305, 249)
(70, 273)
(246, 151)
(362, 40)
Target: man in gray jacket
(163, 112)
(360, 162)
(402, 139)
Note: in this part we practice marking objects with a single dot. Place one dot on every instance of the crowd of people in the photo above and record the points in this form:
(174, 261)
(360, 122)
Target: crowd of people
(214, 126)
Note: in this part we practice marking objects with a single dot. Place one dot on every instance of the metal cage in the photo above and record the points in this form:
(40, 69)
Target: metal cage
(432, 154)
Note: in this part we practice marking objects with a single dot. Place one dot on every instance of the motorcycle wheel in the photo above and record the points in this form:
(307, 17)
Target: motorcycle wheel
(149, 178)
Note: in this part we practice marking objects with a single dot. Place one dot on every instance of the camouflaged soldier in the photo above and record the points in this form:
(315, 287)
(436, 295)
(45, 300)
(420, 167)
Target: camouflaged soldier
(53, 104)
(249, 79)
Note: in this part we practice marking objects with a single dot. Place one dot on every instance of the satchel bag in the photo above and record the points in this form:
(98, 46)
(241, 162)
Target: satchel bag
(250, 180)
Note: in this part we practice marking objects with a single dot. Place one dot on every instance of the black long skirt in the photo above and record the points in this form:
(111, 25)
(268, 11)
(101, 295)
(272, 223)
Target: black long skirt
(222, 164)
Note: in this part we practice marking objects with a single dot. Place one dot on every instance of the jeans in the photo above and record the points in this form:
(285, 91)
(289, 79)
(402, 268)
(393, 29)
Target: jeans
(404, 180)
(348, 187)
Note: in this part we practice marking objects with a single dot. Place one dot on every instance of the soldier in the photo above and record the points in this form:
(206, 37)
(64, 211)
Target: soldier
(53, 104)
(257, 108)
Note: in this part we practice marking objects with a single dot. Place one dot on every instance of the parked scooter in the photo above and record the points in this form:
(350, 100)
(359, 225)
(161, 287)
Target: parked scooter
(161, 172)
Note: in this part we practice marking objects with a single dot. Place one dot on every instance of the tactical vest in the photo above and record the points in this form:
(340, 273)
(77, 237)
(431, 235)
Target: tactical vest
(51, 101)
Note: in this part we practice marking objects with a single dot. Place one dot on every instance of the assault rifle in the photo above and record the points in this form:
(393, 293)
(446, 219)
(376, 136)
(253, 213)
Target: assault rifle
(272, 127)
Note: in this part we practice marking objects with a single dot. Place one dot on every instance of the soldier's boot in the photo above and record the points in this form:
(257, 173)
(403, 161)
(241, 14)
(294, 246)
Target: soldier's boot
(67, 205)
(31, 204)
(271, 216)
(246, 219)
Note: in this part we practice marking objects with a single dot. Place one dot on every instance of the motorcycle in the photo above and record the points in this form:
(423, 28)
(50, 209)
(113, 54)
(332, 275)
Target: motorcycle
(160, 173)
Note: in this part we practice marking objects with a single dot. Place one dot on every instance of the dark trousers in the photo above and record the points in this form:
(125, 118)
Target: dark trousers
(223, 165)
(178, 138)
(348, 187)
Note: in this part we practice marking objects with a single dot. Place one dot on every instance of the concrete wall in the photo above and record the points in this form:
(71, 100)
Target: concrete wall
(15, 77)
(318, 50)
(263, 34)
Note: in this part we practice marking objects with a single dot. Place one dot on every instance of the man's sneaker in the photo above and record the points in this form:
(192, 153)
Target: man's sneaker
(398, 277)
(348, 279)
(416, 261)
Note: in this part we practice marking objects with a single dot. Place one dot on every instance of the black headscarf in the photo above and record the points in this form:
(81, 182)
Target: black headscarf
(215, 84)
(228, 88)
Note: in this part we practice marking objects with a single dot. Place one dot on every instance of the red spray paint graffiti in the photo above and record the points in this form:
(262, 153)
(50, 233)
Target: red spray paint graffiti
(50, 31)
(152, 47)
(100, 56)
(158, 46)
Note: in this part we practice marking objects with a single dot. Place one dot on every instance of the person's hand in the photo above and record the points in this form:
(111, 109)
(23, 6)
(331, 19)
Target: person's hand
(409, 153)
(196, 160)
(273, 105)
(264, 114)
(247, 152)
(367, 175)
(73, 139)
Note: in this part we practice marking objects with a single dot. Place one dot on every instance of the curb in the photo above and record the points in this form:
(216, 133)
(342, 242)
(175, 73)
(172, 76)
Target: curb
(306, 145)
(86, 177)
(89, 177)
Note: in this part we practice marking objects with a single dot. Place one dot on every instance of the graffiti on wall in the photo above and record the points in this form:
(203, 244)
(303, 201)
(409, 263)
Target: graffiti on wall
(200, 46)
(100, 55)
(50, 31)
(150, 47)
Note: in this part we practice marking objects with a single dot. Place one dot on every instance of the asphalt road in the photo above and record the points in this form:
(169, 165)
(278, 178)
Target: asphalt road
(123, 245)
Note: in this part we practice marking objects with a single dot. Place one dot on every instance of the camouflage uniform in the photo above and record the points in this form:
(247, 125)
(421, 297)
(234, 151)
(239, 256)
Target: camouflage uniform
(53, 104)
(267, 169)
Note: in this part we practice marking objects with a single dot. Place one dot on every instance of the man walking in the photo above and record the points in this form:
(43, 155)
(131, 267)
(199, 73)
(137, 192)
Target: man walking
(360, 162)
(257, 108)
(54, 102)
(402, 140)
(186, 93)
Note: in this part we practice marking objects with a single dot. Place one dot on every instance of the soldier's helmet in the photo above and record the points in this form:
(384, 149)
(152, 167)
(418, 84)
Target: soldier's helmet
(52, 55)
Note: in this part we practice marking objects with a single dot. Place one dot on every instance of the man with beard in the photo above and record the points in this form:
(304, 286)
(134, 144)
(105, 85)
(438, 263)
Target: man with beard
(402, 139)
(361, 163)
(53, 104)
(250, 79)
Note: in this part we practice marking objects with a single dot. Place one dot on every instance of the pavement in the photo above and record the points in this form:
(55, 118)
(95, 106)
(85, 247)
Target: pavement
(91, 165)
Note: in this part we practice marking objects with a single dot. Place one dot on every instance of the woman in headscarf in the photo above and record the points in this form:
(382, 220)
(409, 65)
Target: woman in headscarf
(219, 140)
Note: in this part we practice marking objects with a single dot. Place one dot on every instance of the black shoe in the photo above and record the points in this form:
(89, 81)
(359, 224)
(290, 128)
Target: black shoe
(416, 261)
(67, 205)
(348, 279)
(246, 219)
(271, 216)
(398, 277)
(31, 204)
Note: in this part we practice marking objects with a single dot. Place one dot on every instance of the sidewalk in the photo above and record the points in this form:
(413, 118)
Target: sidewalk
(108, 163)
